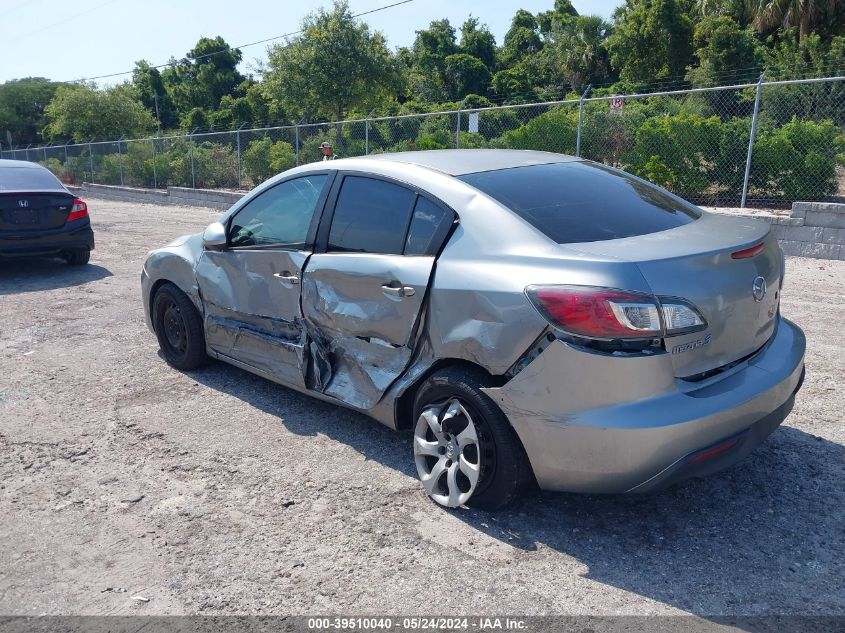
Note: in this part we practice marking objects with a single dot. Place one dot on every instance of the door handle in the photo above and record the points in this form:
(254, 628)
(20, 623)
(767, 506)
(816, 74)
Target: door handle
(398, 291)
(287, 277)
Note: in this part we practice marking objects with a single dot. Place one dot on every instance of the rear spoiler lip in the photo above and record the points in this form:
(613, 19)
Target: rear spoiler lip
(29, 192)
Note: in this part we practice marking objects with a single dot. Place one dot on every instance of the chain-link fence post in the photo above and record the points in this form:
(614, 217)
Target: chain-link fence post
(155, 176)
(751, 139)
(297, 139)
(91, 161)
(458, 131)
(367, 132)
(45, 151)
(191, 150)
(238, 138)
(27, 151)
(581, 119)
(120, 160)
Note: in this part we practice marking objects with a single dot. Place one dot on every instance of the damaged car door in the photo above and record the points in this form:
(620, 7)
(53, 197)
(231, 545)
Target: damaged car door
(251, 288)
(363, 293)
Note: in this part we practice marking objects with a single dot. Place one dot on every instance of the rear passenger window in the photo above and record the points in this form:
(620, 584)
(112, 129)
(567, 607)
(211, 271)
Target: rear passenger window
(370, 216)
(429, 226)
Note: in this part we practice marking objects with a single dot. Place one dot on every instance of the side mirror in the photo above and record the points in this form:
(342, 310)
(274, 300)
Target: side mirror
(214, 237)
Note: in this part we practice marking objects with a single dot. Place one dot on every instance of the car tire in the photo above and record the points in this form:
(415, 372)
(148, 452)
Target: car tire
(78, 257)
(503, 471)
(178, 327)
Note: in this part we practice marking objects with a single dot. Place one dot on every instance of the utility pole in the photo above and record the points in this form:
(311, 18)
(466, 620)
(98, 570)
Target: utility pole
(158, 118)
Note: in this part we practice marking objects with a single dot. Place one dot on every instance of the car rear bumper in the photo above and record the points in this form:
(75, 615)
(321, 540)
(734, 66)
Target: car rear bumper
(610, 424)
(52, 242)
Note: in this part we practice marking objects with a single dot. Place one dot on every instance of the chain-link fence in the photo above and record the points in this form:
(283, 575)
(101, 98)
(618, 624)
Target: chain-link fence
(763, 144)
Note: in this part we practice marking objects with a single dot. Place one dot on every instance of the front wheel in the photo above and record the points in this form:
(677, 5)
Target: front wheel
(178, 327)
(465, 450)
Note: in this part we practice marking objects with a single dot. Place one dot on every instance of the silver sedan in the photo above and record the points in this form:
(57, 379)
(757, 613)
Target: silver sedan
(534, 319)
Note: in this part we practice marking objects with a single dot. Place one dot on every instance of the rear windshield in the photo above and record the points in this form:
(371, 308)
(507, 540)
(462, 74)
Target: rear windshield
(27, 179)
(583, 202)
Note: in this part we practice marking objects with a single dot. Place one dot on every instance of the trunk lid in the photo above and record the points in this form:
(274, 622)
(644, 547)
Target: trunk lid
(694, 262)
(22, 212)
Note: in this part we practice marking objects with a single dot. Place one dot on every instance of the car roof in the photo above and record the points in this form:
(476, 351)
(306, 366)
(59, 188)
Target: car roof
(25, 164)
(457, 162)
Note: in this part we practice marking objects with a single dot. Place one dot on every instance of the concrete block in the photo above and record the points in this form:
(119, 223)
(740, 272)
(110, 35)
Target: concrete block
(801, 209)
(821, 251)
(833, 236)
(834, 220)
(788, 221)
(791, 247)
(798, 233)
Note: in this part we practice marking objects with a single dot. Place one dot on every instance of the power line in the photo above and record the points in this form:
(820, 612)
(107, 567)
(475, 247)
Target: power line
(231, 48)
(60, 22)
(16, 7)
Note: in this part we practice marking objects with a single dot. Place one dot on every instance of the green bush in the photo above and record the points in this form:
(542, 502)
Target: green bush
(264, 158)
(553, 131)
(678, 152)
(796, 161)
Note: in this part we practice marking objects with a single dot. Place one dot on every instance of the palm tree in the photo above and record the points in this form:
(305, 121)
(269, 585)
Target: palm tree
(584, 56)
(805, 14)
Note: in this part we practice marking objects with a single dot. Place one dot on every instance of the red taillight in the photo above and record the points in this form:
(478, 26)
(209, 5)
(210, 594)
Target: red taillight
(598, 313)
(749, 252)
(77, 211)
(710, 453)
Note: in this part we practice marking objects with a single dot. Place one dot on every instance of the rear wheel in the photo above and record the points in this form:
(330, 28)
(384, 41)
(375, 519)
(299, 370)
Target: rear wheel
(78, 256)
(465, 450)
(178, 326)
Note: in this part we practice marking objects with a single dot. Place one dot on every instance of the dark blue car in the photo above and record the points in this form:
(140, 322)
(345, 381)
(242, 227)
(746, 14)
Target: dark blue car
(40, 217)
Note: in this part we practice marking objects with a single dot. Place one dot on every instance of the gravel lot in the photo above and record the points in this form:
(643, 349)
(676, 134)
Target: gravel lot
(220, 492)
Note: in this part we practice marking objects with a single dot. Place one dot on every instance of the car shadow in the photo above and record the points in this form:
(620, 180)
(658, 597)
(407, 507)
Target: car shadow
(757, 539)
(34, 274)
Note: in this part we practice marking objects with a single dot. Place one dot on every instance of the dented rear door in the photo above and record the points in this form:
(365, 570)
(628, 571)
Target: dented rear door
(363, 297)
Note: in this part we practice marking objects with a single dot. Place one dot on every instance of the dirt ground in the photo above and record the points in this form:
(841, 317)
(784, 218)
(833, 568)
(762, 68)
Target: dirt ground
(220, 492)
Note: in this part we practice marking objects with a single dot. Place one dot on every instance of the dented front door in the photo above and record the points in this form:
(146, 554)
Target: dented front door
(251, 290)
(252, 313)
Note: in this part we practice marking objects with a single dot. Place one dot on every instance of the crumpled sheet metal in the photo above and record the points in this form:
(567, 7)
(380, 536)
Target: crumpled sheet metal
(551, 406)
(362, 337)
(279, 354)
(174, 262)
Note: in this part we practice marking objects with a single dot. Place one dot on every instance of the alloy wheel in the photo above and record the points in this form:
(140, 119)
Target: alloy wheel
(446, 452)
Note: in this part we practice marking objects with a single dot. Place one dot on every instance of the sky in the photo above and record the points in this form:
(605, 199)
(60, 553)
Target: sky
(65, 41)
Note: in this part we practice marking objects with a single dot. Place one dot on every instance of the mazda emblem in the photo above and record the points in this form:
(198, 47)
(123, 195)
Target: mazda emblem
(23, 203)
(758, 289)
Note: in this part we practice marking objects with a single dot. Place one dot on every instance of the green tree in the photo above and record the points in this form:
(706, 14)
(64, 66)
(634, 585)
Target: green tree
(82, 113)
(514, 85)
(428, 61)
(22, 104)
(336, 65)
(249, 105)
(522, 39)
(465, 75)
(153, 94)
(725, 52)
(204, 76)
(652, 39)
(550, 21)
(478, 41)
